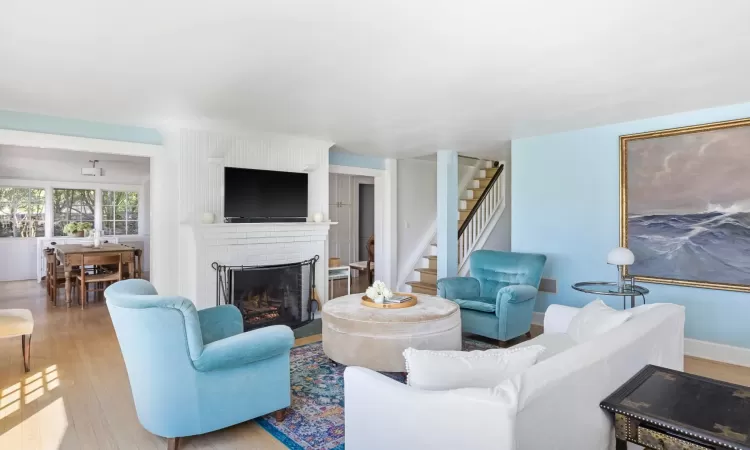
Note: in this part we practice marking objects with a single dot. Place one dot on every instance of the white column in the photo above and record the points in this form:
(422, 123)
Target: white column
(385, 261)
(144, 207)
(98, 209)
(49, 213)
(447, 213)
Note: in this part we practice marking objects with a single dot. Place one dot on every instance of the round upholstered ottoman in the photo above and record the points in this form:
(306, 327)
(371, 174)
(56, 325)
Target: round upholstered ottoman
(355, 335)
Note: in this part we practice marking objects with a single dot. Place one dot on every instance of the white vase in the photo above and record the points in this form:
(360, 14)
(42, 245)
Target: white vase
(208, 218)
(317, 217)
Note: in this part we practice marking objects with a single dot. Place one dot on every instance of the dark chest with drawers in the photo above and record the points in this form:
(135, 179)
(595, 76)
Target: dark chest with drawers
(666, 409)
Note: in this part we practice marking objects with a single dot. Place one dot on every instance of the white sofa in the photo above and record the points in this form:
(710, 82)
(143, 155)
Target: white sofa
(552, 405)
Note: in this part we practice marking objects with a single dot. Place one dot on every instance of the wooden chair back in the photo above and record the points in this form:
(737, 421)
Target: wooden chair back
(370, 258)
(103, 259)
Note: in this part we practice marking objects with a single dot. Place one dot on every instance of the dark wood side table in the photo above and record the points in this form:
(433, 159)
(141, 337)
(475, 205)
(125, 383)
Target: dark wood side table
(666, 409)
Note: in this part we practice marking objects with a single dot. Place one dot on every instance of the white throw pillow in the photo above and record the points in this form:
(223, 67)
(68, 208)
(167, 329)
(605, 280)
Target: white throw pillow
(444, 370)
(594, 319)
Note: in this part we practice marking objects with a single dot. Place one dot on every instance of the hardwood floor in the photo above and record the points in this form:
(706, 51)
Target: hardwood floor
(77, 395)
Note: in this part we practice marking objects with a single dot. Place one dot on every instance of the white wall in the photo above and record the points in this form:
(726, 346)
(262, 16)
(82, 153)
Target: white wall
(417, 204)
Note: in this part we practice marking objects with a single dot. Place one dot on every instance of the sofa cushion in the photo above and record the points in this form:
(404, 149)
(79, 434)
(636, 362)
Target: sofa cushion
(482, 304)
(594, 319)
(443, 370)
(553, 344)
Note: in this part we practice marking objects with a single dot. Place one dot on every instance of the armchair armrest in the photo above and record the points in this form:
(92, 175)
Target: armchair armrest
(245, 348)
(453, 288)
(517, 293)
(220, 322)
(557, 318)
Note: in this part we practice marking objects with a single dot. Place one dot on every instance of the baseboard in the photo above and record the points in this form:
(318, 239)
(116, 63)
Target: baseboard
(728, 354)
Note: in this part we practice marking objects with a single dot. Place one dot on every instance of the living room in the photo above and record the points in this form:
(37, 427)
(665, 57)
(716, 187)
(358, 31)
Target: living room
(553, 255)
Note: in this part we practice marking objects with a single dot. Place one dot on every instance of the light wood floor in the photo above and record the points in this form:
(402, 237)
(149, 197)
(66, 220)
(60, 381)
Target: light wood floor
(77, 394)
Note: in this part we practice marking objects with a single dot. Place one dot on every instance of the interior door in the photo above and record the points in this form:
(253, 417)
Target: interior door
(366, 217)
(333, 213)
(344, 188)
(345, 245)
(333, 190)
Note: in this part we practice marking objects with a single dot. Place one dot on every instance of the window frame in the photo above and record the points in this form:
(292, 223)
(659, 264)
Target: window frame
(127, 211)
(42, 212)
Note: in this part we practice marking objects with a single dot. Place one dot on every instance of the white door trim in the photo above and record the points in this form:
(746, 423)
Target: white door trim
(385, 216)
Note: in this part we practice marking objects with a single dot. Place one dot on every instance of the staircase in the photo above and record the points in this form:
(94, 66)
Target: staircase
(481, 200)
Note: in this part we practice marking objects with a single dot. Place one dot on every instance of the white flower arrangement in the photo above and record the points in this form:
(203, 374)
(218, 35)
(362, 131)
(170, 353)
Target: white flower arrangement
(379, 292)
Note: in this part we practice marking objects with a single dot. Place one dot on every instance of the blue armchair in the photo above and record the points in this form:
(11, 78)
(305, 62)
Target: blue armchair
(192, 372)
(497, 301)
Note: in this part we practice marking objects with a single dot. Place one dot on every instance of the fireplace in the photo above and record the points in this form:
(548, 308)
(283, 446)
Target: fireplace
(268, 295)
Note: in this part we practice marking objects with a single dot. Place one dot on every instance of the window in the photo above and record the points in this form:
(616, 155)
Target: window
(21, 212)
(72, 205)
(119, 212)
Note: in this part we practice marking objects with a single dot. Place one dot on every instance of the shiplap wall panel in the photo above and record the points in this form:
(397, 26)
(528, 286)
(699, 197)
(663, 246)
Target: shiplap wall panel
(203, 157)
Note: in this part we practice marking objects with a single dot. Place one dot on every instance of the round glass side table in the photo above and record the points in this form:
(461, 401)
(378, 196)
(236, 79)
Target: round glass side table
(611, 288)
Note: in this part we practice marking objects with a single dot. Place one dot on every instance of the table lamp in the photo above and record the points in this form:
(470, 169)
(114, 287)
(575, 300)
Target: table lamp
(620, 257)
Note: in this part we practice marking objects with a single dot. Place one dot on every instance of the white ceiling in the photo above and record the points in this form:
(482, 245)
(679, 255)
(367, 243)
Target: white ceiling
(48, 164)
(391, 77)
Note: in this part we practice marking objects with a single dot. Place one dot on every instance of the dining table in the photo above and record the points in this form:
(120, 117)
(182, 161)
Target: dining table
(71, 256)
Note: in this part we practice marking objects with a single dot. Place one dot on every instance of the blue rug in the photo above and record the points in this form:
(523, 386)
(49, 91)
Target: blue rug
(315, 420)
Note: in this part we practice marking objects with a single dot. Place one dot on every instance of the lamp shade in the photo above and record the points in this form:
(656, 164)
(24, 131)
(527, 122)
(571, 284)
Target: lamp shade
(620, 256)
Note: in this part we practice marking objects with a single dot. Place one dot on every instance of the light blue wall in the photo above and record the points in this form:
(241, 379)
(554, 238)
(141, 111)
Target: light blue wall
(80, 128)
(566, 205)
(342, 158)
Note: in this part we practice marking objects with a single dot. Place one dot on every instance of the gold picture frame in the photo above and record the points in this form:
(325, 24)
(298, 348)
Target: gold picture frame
(625, 140)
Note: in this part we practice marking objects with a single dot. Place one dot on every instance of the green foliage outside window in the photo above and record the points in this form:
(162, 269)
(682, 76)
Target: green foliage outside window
(21, 212)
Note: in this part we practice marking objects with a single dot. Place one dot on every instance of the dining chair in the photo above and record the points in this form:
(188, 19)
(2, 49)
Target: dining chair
(54, 275)
(99, 280)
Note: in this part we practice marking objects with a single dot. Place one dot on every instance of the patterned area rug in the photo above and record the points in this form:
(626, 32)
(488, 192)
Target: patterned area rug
(315, 420)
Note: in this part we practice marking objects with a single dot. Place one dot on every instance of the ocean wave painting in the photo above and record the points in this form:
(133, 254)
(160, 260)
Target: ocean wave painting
(688, 203)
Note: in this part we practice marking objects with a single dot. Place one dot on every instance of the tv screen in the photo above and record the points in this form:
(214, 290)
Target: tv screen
(264, 195)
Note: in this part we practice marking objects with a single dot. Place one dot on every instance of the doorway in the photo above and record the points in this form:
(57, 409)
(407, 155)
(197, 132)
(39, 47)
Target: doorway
(352, 208)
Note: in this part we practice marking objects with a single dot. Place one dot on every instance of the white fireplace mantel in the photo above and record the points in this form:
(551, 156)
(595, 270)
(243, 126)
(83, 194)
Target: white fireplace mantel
(262, 233)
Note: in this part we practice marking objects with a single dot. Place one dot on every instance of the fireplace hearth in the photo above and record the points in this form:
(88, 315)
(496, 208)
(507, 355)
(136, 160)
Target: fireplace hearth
(268, 295)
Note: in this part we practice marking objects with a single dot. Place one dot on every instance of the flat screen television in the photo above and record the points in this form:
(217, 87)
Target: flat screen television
(252, 195)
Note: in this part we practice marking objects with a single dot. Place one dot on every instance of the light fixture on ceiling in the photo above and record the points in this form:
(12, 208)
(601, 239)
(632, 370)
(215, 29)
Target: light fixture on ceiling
(92, 171)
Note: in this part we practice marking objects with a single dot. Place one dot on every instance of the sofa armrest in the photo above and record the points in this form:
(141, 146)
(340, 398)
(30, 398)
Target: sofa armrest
(462, 418)
(245, 348)
(220, 322)
(558, 317)
(453, 288)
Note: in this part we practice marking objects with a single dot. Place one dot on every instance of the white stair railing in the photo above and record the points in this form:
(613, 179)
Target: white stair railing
(493, 199)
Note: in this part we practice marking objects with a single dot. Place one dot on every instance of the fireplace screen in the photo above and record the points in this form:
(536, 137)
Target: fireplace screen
(268, 295)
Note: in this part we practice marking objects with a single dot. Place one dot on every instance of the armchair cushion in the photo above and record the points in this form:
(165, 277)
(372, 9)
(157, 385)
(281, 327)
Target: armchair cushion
(482, 304)
(245, 348)
(458, 287)
(220, 322)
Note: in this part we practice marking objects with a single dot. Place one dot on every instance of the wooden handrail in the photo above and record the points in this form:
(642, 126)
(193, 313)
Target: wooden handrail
(480, 200)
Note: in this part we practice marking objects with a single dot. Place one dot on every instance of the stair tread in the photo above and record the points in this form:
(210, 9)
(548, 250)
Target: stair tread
(426, 270)
(431, 257)
(422, 284)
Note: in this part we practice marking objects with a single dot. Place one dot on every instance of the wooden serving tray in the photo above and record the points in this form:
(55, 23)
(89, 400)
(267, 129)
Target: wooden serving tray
(367, 301)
